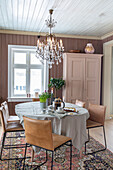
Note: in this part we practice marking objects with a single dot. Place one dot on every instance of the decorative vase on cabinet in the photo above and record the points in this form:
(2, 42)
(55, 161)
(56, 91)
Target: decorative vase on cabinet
(89, 49)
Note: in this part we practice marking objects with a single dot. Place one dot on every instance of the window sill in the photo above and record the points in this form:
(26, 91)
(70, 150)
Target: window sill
(22, 99)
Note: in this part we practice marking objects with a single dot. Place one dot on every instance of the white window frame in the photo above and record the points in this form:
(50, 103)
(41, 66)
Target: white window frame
(27, 66)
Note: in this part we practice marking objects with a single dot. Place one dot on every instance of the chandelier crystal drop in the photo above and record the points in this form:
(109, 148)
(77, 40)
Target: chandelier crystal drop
(50, 49)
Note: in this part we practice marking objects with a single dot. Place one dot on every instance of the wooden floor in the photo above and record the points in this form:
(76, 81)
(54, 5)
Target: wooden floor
(98, 135)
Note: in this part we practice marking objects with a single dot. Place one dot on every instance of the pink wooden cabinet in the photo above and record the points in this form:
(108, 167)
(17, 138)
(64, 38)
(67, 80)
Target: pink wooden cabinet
(82, 73)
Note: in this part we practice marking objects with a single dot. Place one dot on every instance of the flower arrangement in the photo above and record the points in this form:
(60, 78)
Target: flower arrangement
(44, 96)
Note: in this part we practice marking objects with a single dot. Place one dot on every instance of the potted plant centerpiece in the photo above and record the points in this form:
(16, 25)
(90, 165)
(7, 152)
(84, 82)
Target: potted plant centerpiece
(43, 98)
(56, 83)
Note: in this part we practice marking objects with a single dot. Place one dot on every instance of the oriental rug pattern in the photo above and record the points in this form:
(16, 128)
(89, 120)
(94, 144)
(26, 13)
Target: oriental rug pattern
(101, 160)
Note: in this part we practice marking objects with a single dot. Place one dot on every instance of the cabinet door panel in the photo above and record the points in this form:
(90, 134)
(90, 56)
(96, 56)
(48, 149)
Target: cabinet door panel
(91, 86)
(75, 78)
(76, 86)
(92, 83)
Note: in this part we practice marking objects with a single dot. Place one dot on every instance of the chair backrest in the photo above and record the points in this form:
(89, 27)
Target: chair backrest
(5, 105)
(97, 113)
(80, 103)
(38, 132)
(3, 118)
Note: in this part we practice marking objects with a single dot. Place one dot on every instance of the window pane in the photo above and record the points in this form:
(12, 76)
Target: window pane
(34, 59)
(19, 58)
(35, 80)
(19, 81)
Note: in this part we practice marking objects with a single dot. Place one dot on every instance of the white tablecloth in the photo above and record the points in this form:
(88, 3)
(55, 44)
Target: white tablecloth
(73, 126)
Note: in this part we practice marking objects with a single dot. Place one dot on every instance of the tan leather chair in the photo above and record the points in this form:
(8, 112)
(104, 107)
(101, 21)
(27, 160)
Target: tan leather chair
(39, 133)
(8, 117)
(80, 103)
(96, 119)
(9, 127)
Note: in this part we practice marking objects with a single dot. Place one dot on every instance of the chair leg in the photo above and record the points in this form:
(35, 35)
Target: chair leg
(46, 156)
(2, 145)
(85, 148)
(32, 157)
(52, 160)
(38, 166)
(70, 154)
(104, 137)
(10, 147)
(25, 156)
(88, 136)
(100, 149)
(14, 146)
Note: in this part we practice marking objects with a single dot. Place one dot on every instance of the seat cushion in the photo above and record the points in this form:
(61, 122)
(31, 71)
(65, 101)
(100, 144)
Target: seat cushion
(13, 119)
(91, 124)
(59, 140)
(14, 127)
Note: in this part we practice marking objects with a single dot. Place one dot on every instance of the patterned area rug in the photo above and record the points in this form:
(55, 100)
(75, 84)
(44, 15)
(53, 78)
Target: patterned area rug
(102, 160)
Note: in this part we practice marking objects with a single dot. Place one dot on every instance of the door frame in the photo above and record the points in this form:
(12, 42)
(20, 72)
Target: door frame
(107, 82)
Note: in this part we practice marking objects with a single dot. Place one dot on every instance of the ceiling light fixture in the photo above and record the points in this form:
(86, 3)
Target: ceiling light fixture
(50, 49)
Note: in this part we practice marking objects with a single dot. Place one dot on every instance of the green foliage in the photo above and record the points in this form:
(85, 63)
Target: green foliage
(57, 83)
(44, 96)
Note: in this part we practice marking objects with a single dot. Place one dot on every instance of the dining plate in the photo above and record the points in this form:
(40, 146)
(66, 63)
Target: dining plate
(50, 110)
(72, 113)
(61, 112)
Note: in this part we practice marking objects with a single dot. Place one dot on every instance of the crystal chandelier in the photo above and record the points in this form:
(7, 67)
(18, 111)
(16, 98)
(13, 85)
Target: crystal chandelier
(50, 49)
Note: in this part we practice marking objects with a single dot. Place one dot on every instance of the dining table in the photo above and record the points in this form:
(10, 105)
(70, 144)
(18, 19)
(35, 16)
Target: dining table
(68, 124)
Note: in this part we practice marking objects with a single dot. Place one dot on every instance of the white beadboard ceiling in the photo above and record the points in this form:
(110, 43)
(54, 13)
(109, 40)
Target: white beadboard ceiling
(75, 17)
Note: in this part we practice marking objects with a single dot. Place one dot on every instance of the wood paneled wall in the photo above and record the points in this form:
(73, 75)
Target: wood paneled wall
(107, 39)
(56, 71)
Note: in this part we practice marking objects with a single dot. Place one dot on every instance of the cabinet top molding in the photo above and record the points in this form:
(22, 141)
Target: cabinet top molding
(83, 55)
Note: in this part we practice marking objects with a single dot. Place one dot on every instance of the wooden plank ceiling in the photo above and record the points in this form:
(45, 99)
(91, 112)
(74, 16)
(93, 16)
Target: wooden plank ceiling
(75, 17)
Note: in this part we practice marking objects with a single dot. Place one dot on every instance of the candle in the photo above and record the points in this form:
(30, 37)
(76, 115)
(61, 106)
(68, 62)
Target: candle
(51, 96)
(51, 90)
(60, 42)
(53, 104)
(63, 98)
(38, 41)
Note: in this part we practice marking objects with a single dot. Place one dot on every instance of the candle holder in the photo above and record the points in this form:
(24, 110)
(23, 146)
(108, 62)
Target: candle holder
(51, 96)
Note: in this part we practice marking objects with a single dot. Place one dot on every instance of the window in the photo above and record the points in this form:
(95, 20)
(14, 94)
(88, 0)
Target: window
(26, 74)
